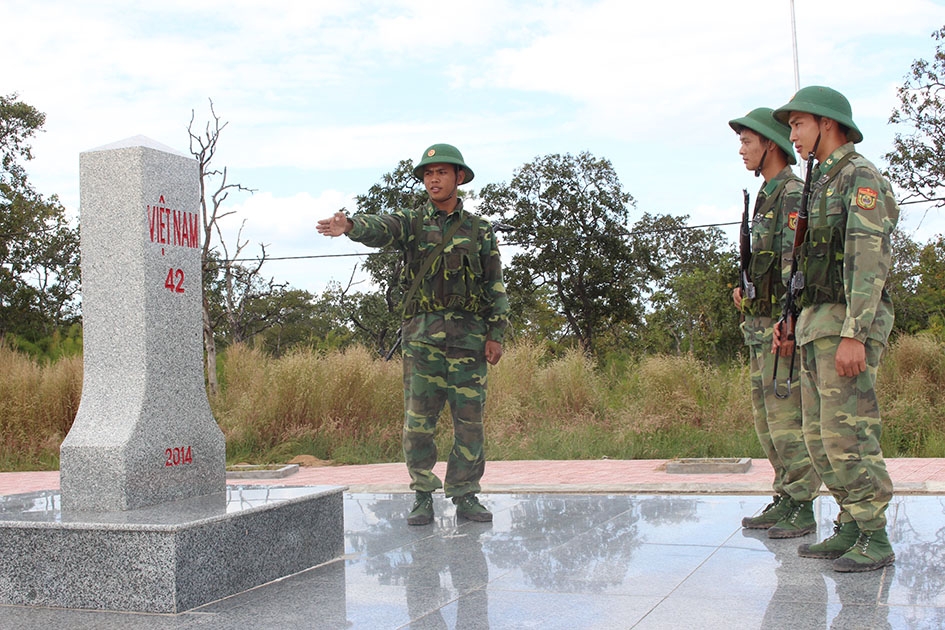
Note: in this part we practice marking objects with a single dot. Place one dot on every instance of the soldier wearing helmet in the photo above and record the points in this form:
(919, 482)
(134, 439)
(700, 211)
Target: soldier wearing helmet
(844, 325)
(455, 317)
(766, 149)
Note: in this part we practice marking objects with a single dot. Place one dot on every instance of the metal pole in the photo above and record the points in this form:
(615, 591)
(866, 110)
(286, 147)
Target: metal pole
(797, 76)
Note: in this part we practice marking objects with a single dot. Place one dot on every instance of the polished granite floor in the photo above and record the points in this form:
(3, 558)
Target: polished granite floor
(575, 561)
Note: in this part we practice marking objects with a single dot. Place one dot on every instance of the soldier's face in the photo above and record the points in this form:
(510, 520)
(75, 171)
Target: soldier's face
(805, 129)
(441, 181)
(752, 148)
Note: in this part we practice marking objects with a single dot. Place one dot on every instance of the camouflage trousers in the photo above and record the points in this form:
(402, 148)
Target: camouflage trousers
(842, 427)
(780, 427)
(434, 376)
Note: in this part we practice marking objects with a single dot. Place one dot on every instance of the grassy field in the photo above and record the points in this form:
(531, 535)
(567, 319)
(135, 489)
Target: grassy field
(347, 406)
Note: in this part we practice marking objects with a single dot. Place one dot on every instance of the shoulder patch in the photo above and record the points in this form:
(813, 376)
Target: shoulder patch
(792, 221)
(866, 198)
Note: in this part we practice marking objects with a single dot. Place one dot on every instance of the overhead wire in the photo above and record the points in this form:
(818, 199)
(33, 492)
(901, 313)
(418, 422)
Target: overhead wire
(510, 243)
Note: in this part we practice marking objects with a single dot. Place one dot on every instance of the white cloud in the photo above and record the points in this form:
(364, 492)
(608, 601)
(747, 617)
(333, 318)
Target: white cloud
(326, 88)
(286, 225)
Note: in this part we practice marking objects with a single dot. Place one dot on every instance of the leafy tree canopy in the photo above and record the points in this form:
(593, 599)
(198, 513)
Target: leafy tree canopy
(917, 161)
(568, 214)
(39, 250)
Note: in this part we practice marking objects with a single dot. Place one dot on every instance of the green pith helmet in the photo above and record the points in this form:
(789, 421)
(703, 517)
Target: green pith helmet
(822, 101)
(442, 154)
(761, 120)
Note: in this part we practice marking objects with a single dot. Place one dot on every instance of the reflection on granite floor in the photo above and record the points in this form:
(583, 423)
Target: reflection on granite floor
(576, 561)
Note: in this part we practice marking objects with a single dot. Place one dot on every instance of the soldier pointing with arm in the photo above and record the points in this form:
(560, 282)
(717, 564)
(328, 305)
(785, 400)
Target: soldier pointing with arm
(845, 321)
(455, 317)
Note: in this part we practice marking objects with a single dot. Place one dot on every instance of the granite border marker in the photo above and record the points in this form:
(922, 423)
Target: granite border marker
(144, 520)
(144, 433)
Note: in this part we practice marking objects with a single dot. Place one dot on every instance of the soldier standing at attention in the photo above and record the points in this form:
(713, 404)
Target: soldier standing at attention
(845, 320)
(455, 317)
(766, 149)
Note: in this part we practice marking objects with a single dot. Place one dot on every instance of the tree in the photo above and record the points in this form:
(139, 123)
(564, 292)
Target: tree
(39, 250)
(569, 214)
(917, 166)
(300, 319)
(902, 283)
(244, 303)
(376, 315)
(532, 312)
(203, 146)
(931, 289)
(917, 161)
(691, 302)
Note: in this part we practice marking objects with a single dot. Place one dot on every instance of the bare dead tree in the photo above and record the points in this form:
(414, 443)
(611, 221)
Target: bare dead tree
(244, 286)
(203, 146)
(377, 330)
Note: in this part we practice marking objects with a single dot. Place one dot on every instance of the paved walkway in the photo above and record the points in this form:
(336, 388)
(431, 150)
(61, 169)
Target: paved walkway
(604, 544)
(639, 476)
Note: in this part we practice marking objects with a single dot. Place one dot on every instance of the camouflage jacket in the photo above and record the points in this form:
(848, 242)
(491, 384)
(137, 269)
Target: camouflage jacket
(858, 201)
(772, 247)
(461, 301)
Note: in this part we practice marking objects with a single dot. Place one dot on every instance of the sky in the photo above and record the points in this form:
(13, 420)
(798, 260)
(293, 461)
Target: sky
(322, 98)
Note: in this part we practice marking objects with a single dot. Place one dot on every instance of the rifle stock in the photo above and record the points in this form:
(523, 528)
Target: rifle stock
(788, 320)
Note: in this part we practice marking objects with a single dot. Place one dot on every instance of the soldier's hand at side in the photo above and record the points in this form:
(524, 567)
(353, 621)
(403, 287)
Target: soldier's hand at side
(493, 352)
(782, 341)
(776, 339)
(851, 357)
(737, 297)
(336, 225)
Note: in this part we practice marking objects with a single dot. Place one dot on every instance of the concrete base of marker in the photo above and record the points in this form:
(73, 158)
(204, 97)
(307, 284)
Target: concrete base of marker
(708, 465)
(168, 558)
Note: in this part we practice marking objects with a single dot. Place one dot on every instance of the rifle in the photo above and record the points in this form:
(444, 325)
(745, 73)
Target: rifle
(393, 348)
(744, 250)
(788, 320)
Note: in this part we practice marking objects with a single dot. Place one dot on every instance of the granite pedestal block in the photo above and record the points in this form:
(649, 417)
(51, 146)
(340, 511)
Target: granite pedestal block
(168, 558)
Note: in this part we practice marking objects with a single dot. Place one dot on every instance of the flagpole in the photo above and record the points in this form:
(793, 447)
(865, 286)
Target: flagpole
(797, 76)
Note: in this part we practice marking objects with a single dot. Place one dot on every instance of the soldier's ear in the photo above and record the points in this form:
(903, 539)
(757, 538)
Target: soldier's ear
(460, 175)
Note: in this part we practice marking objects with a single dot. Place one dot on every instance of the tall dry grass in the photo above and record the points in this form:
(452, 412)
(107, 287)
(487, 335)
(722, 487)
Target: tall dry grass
(38, 402)
(347, 406)
(339, 405)
(911, 390)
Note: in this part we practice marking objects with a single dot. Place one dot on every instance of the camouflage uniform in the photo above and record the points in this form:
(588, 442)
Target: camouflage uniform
(778, 422)
(852, 215)
(460, 303)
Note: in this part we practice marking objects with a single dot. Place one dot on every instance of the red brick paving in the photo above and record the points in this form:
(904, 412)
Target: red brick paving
(910, 476)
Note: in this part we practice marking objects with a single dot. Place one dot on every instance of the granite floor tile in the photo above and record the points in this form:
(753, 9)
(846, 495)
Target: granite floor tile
(598, 561)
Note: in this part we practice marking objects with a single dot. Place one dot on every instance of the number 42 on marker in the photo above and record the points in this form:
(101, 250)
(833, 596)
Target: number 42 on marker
(175, 280)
